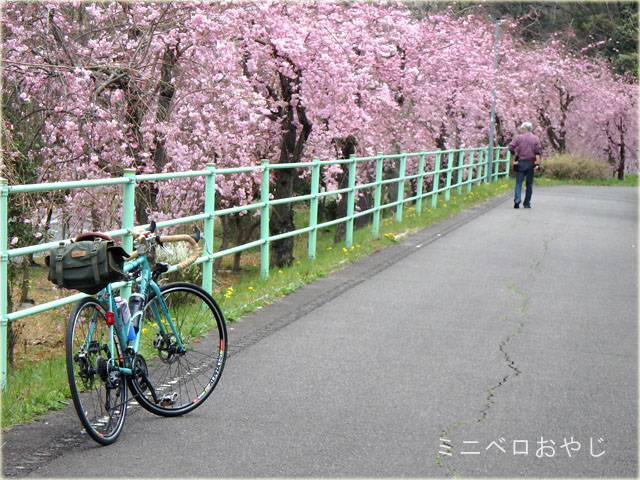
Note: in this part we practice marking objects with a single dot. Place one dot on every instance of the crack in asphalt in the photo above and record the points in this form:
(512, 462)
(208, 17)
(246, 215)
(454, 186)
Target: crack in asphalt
(502, 347)
(491, 392)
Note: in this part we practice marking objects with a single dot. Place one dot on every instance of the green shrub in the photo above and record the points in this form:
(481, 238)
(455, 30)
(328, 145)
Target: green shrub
(574, 167)
(173, 254)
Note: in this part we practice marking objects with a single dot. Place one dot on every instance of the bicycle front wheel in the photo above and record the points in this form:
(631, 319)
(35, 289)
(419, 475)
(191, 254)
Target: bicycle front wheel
(97, 387)
(182, 350)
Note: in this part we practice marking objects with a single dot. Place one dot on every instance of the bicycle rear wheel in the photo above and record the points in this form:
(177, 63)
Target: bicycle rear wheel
(97, 388)
(174, 375)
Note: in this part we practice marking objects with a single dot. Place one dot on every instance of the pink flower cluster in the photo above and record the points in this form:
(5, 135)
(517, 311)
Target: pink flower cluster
(173, 86)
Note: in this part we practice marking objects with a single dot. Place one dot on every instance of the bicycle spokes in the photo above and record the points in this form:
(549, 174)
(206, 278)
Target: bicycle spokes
(183, 339)
(97, 386)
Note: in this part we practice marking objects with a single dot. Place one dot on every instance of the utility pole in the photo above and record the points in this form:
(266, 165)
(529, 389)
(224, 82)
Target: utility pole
(493, 101)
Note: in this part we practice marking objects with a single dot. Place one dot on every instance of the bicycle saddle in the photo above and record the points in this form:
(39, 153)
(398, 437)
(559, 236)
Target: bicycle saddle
(93, 236)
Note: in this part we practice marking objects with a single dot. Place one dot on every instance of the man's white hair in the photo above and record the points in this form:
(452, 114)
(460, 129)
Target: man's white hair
(526, 126)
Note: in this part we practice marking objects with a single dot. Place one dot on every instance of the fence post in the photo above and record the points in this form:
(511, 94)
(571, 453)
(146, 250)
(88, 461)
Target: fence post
(264, 221)
(492, 164)
(460, 163)
(496, 162)
(128, 214)
(351, 200)
(420, 182)
(470, 170)
(401, 175)
(4, 260)
(436, 182)
(377, 197)
(447, 192)
(480, 167)
(313, 208)
(209, 210)
(487, 173)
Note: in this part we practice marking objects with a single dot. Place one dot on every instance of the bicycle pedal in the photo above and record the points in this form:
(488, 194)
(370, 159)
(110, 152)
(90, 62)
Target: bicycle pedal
(168, 399)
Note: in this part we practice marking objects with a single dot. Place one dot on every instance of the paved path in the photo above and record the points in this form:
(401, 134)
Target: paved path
(499, 329)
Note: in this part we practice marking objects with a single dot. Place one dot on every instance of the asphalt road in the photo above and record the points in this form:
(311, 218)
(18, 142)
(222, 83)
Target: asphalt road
(509, 335)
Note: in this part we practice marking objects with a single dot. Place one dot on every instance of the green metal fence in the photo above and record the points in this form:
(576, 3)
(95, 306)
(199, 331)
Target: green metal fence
(472, 161)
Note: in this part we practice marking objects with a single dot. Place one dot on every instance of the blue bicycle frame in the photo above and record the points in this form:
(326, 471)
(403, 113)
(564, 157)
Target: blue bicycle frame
(107, 296)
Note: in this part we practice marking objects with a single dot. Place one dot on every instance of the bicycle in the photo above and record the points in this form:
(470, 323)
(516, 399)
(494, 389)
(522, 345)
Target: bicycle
(170, 356)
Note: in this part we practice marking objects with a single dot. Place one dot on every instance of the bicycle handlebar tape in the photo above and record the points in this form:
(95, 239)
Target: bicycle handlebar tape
(184, 238)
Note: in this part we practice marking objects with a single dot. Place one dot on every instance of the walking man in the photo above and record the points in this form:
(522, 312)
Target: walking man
(527, 150)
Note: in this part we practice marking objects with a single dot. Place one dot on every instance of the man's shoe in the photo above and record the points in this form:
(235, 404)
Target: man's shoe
(527, 206)
(516, 205)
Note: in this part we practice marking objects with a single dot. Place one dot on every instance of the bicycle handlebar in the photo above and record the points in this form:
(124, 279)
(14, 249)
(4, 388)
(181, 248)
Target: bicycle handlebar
(177, 238)
(183, 238)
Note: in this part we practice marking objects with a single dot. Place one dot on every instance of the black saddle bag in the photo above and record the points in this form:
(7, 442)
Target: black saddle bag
(87, 265)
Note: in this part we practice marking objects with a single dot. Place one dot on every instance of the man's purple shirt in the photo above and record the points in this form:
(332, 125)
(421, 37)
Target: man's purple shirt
(526, 146)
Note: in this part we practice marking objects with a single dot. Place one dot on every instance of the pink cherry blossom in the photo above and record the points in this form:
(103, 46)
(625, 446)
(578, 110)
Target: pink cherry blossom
(167, 87)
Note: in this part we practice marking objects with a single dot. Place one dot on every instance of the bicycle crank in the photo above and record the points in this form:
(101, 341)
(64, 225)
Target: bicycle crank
(141, 377)
(141, 372)
(102, 369)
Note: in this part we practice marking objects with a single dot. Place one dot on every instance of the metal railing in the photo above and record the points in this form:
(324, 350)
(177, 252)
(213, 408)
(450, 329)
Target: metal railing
(473, 161)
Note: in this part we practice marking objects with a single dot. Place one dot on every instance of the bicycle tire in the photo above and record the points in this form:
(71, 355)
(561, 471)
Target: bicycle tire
(98, 391)
(179, 382)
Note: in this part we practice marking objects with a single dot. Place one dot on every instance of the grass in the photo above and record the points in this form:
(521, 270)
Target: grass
(629, 181)
(36, 387)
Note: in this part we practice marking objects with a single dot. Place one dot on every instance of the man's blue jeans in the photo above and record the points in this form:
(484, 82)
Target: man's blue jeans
(525, 171)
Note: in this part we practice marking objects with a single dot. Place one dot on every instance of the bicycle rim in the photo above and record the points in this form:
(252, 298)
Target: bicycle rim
(98, 390)
(174, 375)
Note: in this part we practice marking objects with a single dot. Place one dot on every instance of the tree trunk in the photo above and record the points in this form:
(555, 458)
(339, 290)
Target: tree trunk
(281, 220)
(500, 137)
(13, 333)
(441, 139)
(365, 202)
(622, 160)
(345, 148)
(555, 140)
(295, 129)
(291, 149)
(24, 290)
(341, 207)
(225, 242)
(147, 192)
(240, 239)
(10, 333)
